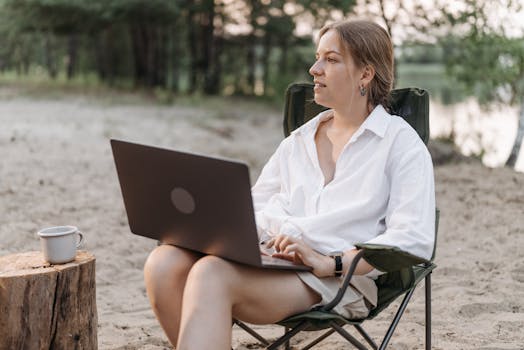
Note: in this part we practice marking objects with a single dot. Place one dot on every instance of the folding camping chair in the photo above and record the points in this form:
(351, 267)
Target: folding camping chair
(403, 270)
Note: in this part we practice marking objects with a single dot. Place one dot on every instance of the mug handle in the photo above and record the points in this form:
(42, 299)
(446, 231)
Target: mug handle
(81, 238)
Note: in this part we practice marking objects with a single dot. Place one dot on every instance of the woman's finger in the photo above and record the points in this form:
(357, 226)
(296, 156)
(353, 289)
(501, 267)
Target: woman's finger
(269, 243)
(280, 242)
(291, 248)
(275, 242)
(284, 243)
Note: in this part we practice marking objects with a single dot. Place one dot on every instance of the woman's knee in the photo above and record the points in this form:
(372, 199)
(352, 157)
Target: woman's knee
(167, 264)
(212, 273)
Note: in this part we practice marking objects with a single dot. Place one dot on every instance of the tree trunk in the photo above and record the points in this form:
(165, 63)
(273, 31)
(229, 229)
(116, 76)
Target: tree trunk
(161, 57)
(193, 51)
(251, 64)
(517, 144)
(210, 50)
(100, 55)
(265, 61)
(176, 50)
(283, 57)
(49, 56)
(45, 306)
(150, 44)
(139, 43)
(72, 49)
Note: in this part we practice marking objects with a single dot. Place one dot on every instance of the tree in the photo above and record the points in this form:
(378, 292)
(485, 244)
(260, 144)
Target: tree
(407, 21)
(487, 60)
(478, 51)
(210, 45)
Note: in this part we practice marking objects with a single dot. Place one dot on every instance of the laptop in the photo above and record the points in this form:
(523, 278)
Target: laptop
(192, 201)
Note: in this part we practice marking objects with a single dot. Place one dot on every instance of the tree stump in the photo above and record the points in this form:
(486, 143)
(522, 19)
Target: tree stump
(45, 306)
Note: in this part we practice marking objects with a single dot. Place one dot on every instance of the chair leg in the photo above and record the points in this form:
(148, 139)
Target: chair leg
(287, 345)
(252, 332)
(319, 339)
(428, 311)
(366, 336)
(290, 334)
(348, 336)
(394, 324)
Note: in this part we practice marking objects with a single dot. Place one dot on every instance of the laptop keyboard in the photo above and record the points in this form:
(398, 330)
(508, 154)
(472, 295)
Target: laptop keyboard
(269, 260)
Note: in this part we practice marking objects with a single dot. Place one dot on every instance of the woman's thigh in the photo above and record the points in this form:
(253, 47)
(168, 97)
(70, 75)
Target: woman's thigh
(258, 295)
(272, 296)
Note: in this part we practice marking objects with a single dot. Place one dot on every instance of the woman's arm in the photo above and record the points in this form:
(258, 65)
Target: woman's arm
(294, 249)
(410, 215)
(269, 181)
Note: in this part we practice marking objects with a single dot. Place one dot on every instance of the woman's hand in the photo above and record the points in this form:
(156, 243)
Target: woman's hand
(294, 249)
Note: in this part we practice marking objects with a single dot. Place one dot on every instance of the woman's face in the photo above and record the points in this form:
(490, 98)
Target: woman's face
(336, 77)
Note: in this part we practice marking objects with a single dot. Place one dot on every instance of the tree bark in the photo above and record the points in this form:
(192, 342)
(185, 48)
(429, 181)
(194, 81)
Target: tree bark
(161, 56)
(252, 46)
(251, 64)
(49, 56)
(176, 50)
(139, 43)
(283, 56)
(45, 306)
(100, 57)
(210, 50)
(72, 49)
(517, 144)
(265, 61)
(193, 51)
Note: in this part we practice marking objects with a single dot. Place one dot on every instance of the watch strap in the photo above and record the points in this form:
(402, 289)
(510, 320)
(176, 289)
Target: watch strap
(338, 265)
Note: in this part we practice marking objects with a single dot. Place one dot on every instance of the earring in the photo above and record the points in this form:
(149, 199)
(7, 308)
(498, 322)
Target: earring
(362, 90)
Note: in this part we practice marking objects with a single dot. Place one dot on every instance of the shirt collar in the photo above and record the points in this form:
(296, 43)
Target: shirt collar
(376, 122)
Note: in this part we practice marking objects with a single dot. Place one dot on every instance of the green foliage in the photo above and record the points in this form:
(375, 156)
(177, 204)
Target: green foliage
(491, 65)
(482, 56)
(422, 53)
(162, 44)
(432, 77)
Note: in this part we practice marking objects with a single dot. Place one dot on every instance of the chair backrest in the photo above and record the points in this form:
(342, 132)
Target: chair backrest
(412, 104)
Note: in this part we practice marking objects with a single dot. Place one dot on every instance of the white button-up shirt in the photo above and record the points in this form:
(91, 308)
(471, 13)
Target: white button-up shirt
(382, 190)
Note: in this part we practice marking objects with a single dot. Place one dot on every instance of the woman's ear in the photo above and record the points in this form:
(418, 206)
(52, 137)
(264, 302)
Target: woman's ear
(368, 73)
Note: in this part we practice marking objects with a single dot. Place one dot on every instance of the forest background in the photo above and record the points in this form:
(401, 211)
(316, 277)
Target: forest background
(455, 49)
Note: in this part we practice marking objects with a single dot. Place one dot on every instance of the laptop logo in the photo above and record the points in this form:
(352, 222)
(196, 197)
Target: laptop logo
(182, 200)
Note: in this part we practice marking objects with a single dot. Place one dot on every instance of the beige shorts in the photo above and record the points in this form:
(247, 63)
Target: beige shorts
(359, 299)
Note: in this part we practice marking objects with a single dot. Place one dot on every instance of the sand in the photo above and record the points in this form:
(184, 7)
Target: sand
(57, 169)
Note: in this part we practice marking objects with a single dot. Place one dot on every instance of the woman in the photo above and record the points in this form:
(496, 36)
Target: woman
(352, 174)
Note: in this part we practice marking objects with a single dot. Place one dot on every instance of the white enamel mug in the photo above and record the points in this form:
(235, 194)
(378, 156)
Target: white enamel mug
(59, 243)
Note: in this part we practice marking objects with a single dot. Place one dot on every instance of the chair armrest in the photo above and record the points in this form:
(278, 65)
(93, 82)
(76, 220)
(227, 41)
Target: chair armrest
(388, 258)
(383, 257)
(345, 283)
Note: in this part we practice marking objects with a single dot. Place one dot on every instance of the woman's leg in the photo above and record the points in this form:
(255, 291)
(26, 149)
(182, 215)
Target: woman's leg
(218, 290)
(165, 274)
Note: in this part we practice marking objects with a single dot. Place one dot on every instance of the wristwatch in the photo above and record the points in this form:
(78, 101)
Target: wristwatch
(337, 256)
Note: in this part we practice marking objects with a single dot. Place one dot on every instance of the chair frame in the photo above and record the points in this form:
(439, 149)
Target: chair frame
(335, 327)
(384, 258)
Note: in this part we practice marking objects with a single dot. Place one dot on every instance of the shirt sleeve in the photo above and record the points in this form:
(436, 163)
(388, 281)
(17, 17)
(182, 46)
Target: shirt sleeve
(410, 215)
(268, 182)
(267, 186)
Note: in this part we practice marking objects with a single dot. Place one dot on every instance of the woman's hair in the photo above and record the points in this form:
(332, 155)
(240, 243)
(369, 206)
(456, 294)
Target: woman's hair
(368, 44)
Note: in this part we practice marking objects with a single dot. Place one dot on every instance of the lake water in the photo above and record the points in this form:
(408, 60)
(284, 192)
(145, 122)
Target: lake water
(475, 129)
(493, 130)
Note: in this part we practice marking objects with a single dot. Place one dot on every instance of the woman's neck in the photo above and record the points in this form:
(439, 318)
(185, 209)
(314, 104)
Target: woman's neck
(351, 117)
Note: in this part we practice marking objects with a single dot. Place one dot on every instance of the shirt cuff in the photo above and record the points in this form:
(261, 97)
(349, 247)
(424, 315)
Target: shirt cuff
(290, 229)
(374, 274)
